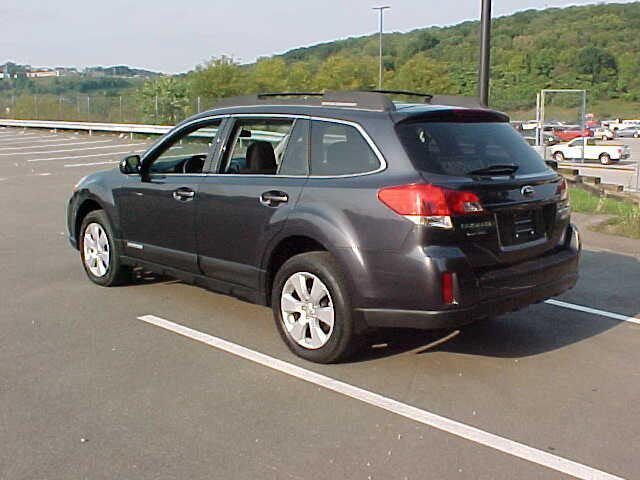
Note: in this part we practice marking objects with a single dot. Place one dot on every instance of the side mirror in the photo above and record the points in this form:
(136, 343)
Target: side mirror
(130, 164)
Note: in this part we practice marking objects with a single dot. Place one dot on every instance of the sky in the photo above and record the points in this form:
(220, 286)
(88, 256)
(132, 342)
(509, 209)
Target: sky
(175, 36)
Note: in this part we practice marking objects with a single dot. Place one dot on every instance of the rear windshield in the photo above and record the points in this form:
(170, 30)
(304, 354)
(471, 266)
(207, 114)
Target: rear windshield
(456, 149)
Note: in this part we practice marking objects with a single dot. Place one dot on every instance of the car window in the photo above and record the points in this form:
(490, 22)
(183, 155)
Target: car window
(188, 152)
(257, 146)
(296, 156)
(339, 149)
(457, 148)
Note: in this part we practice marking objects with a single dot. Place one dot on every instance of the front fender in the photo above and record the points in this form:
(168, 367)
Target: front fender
(97, 189)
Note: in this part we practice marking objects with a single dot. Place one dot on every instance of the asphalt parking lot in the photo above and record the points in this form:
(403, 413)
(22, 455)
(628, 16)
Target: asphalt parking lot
(161, 380)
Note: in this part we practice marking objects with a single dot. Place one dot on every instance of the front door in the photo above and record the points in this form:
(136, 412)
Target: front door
(260, 177)
(157, 208)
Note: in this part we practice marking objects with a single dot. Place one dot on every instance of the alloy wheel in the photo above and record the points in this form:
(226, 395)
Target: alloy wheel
(96, 250)
(307, 310)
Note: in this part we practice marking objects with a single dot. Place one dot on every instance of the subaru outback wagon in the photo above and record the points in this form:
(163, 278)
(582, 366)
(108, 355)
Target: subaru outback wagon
(345, 212)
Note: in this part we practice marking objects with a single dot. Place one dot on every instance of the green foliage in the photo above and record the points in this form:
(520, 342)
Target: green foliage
(164, 100)
(342, 72)
(67, 85)
(595, 47)
(597, 63)
(625, 219)
(219, 78)
(422, 74)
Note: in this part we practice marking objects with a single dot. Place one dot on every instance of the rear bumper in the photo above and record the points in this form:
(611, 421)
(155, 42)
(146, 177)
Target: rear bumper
(496, 292)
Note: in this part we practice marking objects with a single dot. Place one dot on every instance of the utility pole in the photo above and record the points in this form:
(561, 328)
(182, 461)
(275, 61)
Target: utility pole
(381, 13)
(485, 53)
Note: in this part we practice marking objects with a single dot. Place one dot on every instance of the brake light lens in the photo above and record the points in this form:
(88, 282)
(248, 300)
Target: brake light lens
(563, 190)
(429, 204)
(447, 288)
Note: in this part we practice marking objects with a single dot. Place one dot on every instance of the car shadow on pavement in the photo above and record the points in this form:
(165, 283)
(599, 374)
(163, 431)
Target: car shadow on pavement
(608, 282)
(145, 277)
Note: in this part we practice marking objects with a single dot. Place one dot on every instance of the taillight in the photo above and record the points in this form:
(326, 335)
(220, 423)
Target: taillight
(563, 190)
(448, 296)
(430, 205)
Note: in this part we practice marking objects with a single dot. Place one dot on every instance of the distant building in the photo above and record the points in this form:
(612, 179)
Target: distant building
(43, 73)
(67, 71)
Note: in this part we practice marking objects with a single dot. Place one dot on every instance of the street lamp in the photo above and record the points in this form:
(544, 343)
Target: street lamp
(485, 52)
(381, 12)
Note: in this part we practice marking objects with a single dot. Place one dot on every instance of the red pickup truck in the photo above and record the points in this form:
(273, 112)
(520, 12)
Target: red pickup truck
(566, 135)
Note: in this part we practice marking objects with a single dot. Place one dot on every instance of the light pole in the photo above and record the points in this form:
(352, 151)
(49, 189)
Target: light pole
(485, 52)
(381, 13)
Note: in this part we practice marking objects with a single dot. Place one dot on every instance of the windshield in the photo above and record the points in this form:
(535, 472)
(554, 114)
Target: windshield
(458, 149)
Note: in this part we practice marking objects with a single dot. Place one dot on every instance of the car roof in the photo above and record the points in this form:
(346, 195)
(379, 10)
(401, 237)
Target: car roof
(351, 106)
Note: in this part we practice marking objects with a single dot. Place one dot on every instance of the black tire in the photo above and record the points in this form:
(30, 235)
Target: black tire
(558, 157)
(117, 273)
(605, 159)
(343, 342)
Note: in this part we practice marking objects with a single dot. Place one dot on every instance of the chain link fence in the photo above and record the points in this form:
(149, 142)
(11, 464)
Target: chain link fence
(100, 108)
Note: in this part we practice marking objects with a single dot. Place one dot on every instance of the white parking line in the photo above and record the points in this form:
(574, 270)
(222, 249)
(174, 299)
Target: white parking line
(594, 311)
(68, 144)
(73, 157)
(23, 135)
(453, 427)
(73, 150)
(72, 165)
(35, 143)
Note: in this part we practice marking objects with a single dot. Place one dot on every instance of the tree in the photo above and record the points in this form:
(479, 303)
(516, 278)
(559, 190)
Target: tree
(164, 100)
(269, 75)
(422, 74)
(219, 78)
(597, 63)
(420, 42)
(341, 72)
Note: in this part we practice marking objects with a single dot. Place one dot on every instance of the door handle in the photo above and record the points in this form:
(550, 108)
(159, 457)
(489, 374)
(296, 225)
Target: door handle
(184, 194)
(273, 198)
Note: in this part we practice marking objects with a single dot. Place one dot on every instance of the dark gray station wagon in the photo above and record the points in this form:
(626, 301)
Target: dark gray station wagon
(344, 212)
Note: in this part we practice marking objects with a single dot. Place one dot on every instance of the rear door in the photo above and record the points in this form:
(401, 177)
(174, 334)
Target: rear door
(259, 177)
(520, 219)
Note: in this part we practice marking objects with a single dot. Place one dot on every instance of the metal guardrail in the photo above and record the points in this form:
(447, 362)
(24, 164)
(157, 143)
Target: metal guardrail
(89, 126)
(130, 128)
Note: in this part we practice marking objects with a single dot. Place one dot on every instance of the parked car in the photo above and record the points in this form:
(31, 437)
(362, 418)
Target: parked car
(603, 133)
(344, 212)
(568, 134)
(618, 124)
(629, 132)
(605, 154)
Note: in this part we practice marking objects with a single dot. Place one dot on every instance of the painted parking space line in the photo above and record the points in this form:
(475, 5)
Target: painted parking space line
(74, 157)
(66, 150)
(92, 164)
(36, 142)
(424, 417)
(24, 135)
(67, 144)
(594, 311)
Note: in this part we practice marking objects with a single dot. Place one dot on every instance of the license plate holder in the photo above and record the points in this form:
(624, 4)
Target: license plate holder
(521, 226)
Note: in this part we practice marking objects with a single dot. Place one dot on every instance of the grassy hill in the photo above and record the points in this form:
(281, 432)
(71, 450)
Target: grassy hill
(596, 47)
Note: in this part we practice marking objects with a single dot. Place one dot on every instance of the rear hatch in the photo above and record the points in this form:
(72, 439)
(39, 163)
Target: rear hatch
(479, 152)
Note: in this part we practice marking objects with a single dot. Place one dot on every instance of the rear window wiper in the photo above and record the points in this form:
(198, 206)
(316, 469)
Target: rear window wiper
(504, 169)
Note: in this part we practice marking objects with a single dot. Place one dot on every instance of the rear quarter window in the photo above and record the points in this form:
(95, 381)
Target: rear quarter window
(457, 148)
(340, 149)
